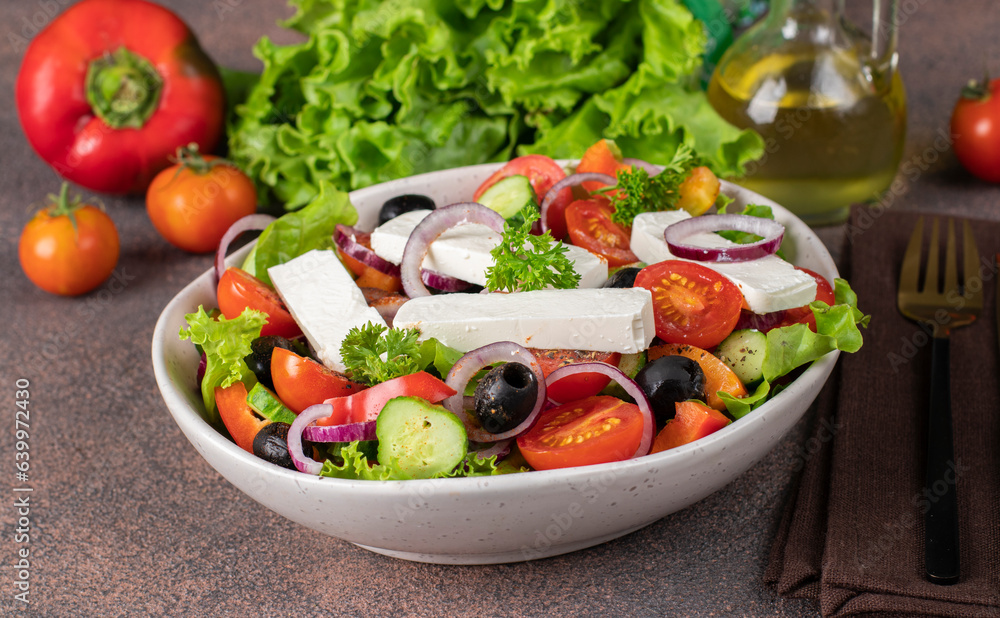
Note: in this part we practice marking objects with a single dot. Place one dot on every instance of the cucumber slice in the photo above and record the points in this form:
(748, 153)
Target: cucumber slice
(743, 351)
(419, 440)
(509, 196)
(267, 404)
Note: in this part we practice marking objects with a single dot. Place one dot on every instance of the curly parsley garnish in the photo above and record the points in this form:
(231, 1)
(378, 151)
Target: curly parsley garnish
(374, 353)
(524, 261)
(637, 192)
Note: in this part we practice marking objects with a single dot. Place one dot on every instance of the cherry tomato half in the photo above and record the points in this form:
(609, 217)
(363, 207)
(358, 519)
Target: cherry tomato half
(69, 248)
(194, 202)
(301, 382)
(578, 386)
(542, 172)
(975, 130)
(692, 303)
(589, 431)
(590, 226)
(238, 290)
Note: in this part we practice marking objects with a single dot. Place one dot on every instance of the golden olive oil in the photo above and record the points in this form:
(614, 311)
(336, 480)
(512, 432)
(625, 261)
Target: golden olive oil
(833, 133)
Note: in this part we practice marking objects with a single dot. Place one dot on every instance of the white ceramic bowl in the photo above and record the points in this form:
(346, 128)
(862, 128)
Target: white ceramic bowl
(497, 519)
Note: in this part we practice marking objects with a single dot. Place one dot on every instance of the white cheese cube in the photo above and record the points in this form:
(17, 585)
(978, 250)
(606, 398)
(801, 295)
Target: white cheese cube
(463, 251)
(605, 320)
(322, 297)
(768, 284)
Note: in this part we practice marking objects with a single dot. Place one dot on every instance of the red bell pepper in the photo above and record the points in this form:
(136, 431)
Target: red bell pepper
(692, 420)
(110, 89)
(365, 405)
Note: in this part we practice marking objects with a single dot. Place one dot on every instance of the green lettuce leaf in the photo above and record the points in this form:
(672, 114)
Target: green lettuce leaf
(225, 344)
(301, 231)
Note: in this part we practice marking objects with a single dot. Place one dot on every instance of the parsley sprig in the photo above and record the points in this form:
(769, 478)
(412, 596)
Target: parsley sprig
(636, 192)
(374, 353)
(524, 261)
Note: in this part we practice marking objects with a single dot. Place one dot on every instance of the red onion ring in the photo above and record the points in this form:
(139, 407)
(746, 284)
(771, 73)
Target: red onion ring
(650, 168)
(470, 364)
(443, 282)
(249, 223)
(310, 415)
(346, 238)
(349, 432)
(500, 448)
(570, 181)
(429, 229)
(771, 232)
(627, 384)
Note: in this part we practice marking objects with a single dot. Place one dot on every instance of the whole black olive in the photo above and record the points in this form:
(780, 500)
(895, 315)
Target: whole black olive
(623, 278)
(271, 444)
(505, 397)
(670, 379)
(395, 206)
(259, 358)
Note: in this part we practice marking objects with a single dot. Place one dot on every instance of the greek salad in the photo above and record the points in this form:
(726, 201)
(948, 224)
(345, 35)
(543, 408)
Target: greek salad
(555, 319)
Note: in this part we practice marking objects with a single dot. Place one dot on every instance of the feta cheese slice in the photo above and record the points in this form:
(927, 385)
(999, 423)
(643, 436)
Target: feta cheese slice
(606, 320)
(463, 251)
(768, 284)
(323, 298)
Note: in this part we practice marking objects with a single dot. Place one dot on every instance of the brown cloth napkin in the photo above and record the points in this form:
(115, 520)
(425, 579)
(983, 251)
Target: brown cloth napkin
(852, 533)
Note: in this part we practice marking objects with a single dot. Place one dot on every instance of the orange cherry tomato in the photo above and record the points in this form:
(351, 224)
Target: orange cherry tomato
(194, 202)
(240, 420)
(578, 386)
(699, 191)
(718, 375)
(68, 248)
(594, 430)
(603, 157)
(301, 382)
(238, 290)
(691, 421)
(591, 227)
(692, 303)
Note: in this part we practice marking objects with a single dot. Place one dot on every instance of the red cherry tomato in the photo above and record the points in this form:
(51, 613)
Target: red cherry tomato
(589, 431)
(578, 386)
(975, 130)
(238, 290)
(110, 89)
(69, 248)
(542, 172)
(301, 382)
(604, 157)
(692, 303)
(590, 226)
(194, 202)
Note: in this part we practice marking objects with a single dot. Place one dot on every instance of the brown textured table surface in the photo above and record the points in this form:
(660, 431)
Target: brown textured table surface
(126, 519)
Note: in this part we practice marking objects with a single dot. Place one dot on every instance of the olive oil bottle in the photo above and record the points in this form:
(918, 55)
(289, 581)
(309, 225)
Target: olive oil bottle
(828, 102)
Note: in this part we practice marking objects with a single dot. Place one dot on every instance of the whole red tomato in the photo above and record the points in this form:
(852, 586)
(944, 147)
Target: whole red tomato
(195, 201)
(975, 129)
(69, 248)
(110, 89)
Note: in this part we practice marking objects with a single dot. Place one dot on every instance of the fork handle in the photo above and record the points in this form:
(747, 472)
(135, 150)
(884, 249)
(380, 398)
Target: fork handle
(941, 518)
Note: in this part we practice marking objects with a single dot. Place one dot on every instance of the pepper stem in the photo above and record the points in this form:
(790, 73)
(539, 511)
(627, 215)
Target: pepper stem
(123, 89)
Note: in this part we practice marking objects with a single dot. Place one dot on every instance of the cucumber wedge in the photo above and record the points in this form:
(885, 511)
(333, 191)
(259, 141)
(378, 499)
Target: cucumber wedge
(743, 351)
(509, 196)
(267, 404)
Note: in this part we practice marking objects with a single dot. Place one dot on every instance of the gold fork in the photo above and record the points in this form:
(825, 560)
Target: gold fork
(943, 309)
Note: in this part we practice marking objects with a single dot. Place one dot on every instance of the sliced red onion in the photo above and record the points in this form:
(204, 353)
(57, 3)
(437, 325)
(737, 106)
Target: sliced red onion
(771, 232)
(650, 168)
(346, 238)
(760, 321)
(470, 364)
(627, 384)
(443, 282)
(307, 417)
(570, 181)
(249, 223)
(430, 228)
(349, 432)
(500, 448)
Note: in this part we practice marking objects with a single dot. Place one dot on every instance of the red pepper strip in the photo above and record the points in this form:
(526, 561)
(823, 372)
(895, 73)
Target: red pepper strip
(366, 405)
